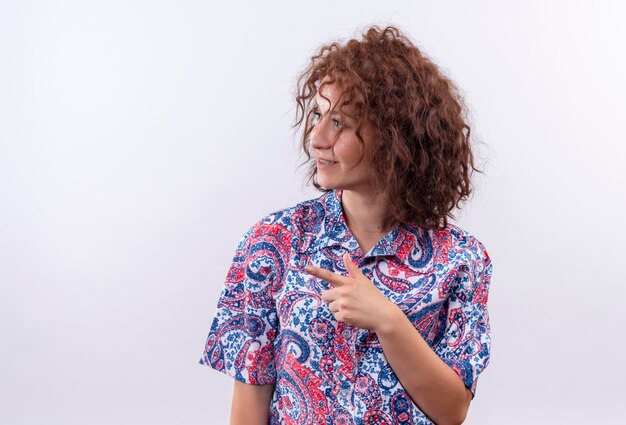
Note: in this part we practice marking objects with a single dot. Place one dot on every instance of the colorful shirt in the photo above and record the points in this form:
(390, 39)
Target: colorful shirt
(272, 327)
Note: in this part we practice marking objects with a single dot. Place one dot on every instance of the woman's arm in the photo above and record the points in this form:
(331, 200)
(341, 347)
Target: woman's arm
(432, 385)
(251, 404)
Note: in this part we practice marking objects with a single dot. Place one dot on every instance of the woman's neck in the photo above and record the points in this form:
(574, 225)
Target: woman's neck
(365, 212)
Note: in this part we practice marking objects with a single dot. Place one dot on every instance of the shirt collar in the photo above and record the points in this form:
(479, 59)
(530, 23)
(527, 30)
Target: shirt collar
(326, 227)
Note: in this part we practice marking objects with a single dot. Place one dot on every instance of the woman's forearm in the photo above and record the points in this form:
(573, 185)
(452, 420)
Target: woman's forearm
(432, 385)
(251, 404)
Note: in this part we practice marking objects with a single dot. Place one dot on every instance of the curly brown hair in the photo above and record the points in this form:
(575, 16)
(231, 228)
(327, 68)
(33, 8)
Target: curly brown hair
(421, 155)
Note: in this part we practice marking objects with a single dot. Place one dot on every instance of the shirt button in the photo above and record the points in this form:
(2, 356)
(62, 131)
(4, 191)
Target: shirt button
(343, 393)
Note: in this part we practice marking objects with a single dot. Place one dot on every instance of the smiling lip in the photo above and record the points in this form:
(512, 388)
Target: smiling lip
(323, 165)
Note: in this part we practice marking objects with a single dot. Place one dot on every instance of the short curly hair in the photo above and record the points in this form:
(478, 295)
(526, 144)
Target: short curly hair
(421, 156)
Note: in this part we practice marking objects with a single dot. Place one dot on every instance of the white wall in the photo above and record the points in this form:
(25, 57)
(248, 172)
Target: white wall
(128, 130)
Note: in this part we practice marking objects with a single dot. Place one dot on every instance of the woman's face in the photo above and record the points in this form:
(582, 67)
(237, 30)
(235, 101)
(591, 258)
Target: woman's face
(349, 166)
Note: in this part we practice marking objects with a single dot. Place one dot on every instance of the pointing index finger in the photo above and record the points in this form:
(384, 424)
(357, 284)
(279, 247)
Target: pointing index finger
(333, 278)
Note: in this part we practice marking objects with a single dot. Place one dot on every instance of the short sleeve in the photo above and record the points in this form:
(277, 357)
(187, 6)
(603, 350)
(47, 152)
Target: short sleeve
(466, 343)
(240, 341)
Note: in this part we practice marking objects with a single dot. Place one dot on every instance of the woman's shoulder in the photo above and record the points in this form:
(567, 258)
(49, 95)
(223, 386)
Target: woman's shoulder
(289, 222)
(460, 236)
(290, 217)
(460, 245)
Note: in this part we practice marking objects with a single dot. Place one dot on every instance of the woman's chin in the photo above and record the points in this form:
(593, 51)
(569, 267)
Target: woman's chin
(324, 183)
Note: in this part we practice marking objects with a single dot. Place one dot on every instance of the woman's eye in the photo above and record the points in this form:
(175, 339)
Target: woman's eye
(317, 116)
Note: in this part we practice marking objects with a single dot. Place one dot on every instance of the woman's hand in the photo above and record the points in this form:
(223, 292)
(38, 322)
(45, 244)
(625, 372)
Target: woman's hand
(354, 299)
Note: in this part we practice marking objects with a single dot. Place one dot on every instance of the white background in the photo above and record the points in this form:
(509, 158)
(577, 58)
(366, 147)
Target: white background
(140, 139)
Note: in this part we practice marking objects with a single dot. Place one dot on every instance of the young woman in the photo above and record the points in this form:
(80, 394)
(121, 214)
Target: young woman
(362, 306)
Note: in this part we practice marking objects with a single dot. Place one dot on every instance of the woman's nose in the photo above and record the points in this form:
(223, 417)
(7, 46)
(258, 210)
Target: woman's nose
(320, 136)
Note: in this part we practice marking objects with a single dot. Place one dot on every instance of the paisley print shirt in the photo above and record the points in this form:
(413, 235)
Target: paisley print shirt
(272, 327)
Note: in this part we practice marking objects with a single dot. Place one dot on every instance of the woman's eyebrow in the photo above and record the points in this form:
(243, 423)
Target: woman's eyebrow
(335, 112)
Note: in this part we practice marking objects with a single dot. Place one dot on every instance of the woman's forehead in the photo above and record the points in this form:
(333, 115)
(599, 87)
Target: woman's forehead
(332, 92)
(328, 95)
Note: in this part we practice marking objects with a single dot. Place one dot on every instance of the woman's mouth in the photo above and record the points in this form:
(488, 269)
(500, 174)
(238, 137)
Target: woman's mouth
(324, 162)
